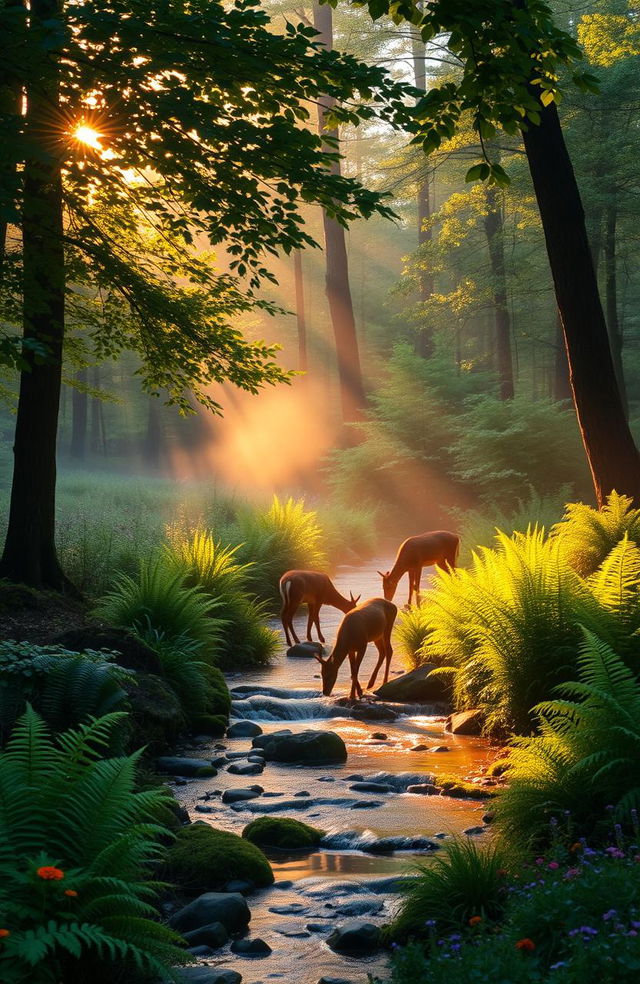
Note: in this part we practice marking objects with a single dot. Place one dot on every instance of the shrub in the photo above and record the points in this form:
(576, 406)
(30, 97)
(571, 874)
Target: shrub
(203, 859)
(282, 834)
(462, 882)
(76, 846)
(278, 539)
(587, 753)
(588, 535)
(66, 688)
(157, 599)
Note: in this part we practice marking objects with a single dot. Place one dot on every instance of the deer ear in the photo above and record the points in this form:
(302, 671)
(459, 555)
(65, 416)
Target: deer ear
(381, 574)
(319, 658)
(356, 599)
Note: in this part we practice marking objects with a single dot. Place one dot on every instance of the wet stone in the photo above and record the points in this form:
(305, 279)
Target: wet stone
(177, 766)
(371, 787)
(419, 748)
(366, 805)
(424, 789)
(379, 735)
(303, 792)
(243, 729)
(238, 795)
(473, 831)
(250, 769)
(208, 975)
(251, 948)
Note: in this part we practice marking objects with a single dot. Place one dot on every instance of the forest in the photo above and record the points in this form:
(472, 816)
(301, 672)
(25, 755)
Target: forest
(319, 367)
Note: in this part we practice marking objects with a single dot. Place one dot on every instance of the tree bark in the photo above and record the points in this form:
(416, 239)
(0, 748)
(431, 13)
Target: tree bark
(79, 418)
(9, 105)
(29, 553)
(352, 396)
(613, 457)
(424, 342)
(611, 299)
(561, 381)
(301, 321)
(494, 227)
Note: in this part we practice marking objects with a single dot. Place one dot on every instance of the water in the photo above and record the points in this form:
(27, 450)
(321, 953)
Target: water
(367, 852)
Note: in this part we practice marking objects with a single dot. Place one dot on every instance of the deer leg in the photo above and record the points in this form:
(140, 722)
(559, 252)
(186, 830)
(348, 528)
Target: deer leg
(389, 654)
(310, 619)
(287, 624)
(290, 613)
(317, 621)
(416, 584)
(355, 658)
(381, 654)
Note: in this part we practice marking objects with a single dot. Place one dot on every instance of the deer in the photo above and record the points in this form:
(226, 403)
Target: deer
(315, 590)
(439, 548)
(372, 621)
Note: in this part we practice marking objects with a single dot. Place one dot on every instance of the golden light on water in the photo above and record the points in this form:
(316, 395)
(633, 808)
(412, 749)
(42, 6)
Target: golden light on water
(86, 135)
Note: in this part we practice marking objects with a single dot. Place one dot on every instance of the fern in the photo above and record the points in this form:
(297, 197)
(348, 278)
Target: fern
(588, 535)
(64, 808)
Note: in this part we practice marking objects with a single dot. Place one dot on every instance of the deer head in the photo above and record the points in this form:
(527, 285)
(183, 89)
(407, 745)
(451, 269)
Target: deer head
(329, 674)
(389, 585)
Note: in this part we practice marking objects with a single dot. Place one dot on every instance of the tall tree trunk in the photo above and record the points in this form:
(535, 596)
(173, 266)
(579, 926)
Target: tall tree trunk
(338, 291)
(494, 228)
(424, 343)
(561, 381)
(613, 457)
(79, 418)
(29, 552)
(301, 321)
(9, 106)
(97, 436)
(611, 299)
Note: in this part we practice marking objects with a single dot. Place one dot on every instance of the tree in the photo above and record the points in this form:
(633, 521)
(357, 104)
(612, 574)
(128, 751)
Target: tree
(148, 126)
(512, 53)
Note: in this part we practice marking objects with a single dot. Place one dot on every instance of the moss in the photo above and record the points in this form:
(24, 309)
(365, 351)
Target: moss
(219, 696)
(283, 834)
(203, 859)
(459, 789)
(214, 725)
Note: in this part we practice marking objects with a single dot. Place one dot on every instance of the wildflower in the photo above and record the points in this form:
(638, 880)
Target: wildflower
(71, 892)
(609, 915)
(553, 865)
(50, 873)
(539, 861)
(576, 847)
(430, 923)
(475, 920)
(455, 947)
(558, 965)
(4, 933)
(525, 944)
(502, 872)
(614, 852)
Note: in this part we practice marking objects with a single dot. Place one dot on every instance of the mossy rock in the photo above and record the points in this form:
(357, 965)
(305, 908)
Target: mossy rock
(213, 725)
(203, 859)
(14, 597)
(156, 717)
(219, 697)
(282, 834)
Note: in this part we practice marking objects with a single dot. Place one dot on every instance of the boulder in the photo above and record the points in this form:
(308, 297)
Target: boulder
(177, 766)
(214, 936)
(243, 729)
(465, 723)
(248, 769)
(282, 834)
(208, 975)
(237, 795)
(251, 948)
(228, 908)
(371, 787)
(238, 885)
(306, 747)
(424, 789)
(262, 740)
(419, 686)
(203, 859)
(356, 938)
(306, 650)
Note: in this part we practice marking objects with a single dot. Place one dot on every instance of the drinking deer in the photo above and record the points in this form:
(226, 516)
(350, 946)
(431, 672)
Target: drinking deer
(314, 589)
(372, 621)
(439, 548)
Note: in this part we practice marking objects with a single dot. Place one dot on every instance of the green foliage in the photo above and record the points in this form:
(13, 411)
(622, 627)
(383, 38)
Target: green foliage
(348, 533)
(157, 599)
(282, 834)
(203, 859)
(65, 688)
(284, 537)
(585, 756)
(62, 807)
(461, 882)
(588, 535)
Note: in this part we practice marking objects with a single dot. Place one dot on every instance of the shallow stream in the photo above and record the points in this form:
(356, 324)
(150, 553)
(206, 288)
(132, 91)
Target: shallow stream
(346, 878)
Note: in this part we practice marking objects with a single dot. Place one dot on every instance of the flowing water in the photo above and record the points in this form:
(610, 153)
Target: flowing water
(372, 840)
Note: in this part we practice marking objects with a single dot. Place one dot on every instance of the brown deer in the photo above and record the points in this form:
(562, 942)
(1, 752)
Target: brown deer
(439, 548)
(372, 621)
(315, 590)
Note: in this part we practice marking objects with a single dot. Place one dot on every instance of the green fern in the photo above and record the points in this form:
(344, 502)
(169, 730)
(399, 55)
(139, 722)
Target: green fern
(588, 535)
(64, 808)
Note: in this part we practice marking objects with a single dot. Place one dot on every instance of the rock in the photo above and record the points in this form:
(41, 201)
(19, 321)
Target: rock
(356, 777)
(419, 748)
(236, 795)
(255, 788)
(327, 778)
(214, 936)
(203, 859)
(130, 651)
(185, 766)
(313, 747)
(360, 907)
(250, 769)
(465, 723)
(373, 712)
(303, 792)
(282, 834)
(243, 729)
(334, 980)
(261, 740)
(230, 909)
(232, 756)
(306, 650)
(473, 831)
(317, 927)
(365, 805)
(379, 735)
(245, 887)
(371, 787)
(201, 808)
(418, 686)
(439, 748)
(356, 938)
(255, 757)
(424, 789)
(251, 948)
(200, 951)
(291, 909)
(208, 975)
(220, 761)
(488, 817)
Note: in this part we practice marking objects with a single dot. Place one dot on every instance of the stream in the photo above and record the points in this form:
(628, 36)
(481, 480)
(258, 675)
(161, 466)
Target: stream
(353, 874)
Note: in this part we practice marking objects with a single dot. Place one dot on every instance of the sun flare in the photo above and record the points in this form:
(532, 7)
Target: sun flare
(86, 134)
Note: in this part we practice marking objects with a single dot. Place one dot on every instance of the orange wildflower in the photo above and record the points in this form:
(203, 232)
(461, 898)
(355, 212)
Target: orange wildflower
(576, 847)
(4, 932)
(50, 873)
(475, 920)
(71, 892)
(525, 944)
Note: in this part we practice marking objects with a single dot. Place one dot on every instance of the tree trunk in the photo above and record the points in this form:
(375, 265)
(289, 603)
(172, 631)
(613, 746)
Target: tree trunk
(79, 417)
(301, 321)
(611, 299)
(29, 553)
(613, 457)
(152, 446)
(9, 106)
(338, 291)
(561, 381)
(424, 343)
(97, 436)
(494, 228)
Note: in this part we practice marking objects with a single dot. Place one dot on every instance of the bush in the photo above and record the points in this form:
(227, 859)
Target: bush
(588, 535)
(282, 834)
(462, 882)
(203, 859)
(586, 756)
(65, 688)
(77, 845)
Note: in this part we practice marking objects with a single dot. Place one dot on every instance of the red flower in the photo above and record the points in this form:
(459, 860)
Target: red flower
(71, 892)
(50, 873)
(475, 920)
(4, 932)
(525, 944)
